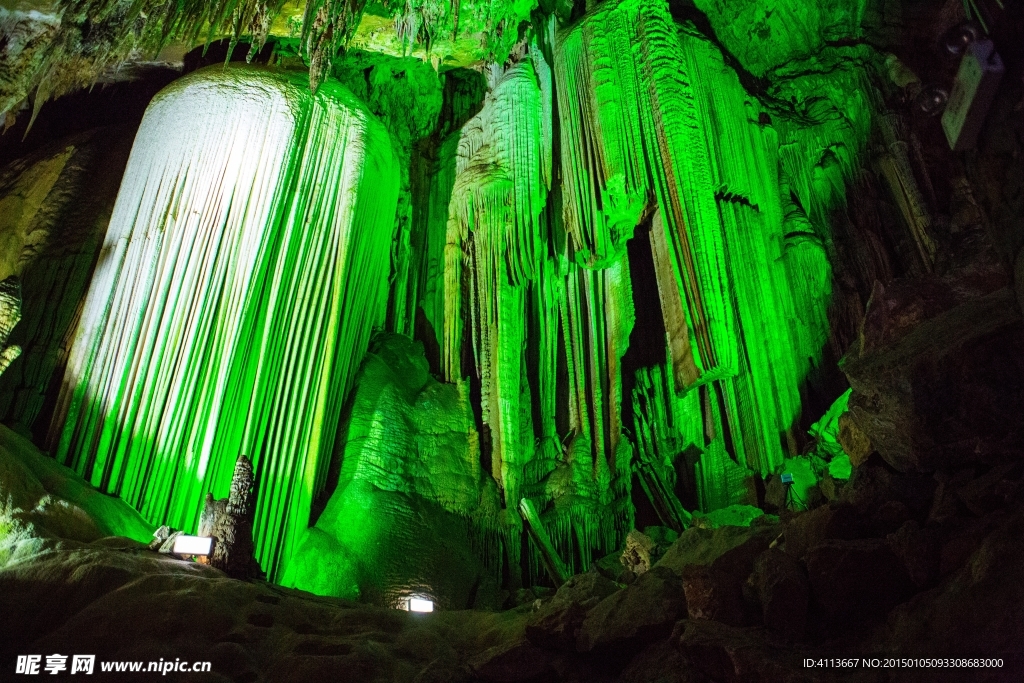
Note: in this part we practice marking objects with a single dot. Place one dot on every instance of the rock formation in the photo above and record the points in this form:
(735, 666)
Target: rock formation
(638, 340)
(10, 314)
(223, 290)
(229, 523)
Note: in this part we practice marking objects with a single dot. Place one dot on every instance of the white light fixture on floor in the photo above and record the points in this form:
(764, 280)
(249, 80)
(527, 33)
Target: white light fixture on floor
(192, 545)
(420, 605)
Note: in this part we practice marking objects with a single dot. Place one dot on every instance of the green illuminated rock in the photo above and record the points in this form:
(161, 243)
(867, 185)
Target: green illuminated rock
(253, 250)
(254, 216)
(764, 35)
(44, 505)
(538, 325)
(413, 513)
(743, 273)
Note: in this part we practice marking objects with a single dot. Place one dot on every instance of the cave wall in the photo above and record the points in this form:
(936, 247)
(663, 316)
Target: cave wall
(56, 208)
(633, 247)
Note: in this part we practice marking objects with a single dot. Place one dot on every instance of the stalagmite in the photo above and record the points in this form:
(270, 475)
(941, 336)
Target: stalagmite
(244, 266)
(229, 523)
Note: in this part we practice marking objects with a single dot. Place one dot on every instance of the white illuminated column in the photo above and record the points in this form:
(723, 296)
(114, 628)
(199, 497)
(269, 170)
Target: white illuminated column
(244, 268)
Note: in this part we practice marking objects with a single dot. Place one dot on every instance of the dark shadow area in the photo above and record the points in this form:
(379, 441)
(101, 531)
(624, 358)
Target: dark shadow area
(121, 103)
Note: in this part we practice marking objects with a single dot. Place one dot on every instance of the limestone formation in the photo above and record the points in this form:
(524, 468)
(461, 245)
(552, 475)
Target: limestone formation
(638, 555)
(229, 522)
(10, 314)
(920, 374)
(413, 512)
(191, 347)
(54, 208)
(536, 361)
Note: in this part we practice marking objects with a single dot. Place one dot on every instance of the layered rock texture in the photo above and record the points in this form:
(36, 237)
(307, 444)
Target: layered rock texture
(57, 203)
(211, 328)
(672, 329)
(412, 514)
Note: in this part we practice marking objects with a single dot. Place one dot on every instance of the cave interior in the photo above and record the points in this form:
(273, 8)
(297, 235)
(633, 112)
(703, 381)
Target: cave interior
(639, 340)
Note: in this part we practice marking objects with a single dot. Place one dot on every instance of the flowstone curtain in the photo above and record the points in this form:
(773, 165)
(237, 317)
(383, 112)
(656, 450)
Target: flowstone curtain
(244, 267)
(654, 122)
(631, 132)
(524, 303)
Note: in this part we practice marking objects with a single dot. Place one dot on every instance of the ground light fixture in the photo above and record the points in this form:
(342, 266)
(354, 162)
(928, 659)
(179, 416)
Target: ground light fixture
(420, 605)
(193, 545)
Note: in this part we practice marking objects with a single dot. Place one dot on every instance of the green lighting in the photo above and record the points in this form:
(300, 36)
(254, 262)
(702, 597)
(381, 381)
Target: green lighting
(244, 267)
(743, 272)
(261, 230)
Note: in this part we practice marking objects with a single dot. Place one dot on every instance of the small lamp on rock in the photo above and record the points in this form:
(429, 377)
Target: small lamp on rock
(193, 545)
(420, 605)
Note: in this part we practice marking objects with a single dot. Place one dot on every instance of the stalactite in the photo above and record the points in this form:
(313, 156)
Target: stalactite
(434, 219)
(527, 303)
(744, 291)
(621, 90)
(499, 194)
(253, 217)
(762, 400)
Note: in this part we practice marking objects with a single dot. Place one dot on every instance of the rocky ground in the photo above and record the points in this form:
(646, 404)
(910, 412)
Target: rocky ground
(919, 554)
(921, 565)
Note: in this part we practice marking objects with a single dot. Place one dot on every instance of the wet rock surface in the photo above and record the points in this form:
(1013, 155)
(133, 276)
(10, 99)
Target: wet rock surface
(855, 578)
(780, 586)
(936, 389)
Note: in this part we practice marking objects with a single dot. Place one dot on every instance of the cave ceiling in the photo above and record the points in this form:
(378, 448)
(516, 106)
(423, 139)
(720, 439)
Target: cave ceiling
(61, 46)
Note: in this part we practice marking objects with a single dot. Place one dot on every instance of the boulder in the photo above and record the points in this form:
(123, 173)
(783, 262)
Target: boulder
(1018, 278)
(608, 566)
(945, 504)
(661, 662)
(557, 622)
(885, 498)
(640, 552)
(808, 529)
(960, 539)
(830, 487)
(854, 441)
(731, 549)
(938, 376)
(713, 594)
(780, 584)
(662, 536)
(774, 494)
(918, 550)
(991, 490)
(977, 612)
(512, 662)
(727, 654)
(852, 579)
(625, 621)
